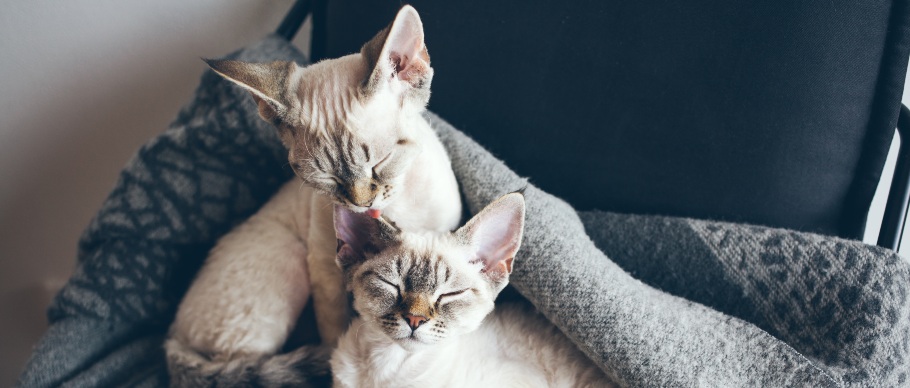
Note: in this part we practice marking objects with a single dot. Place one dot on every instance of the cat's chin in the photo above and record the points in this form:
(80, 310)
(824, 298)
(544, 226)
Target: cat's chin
(357, 209)
(412, 343)
(361, 209)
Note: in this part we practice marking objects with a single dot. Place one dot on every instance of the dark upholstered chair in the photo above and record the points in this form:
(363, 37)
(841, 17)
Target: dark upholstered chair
(776, 113)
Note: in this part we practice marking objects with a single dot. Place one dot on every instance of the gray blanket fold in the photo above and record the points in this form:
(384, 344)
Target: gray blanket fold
(655, 301)
(641, 336)
(842, 304)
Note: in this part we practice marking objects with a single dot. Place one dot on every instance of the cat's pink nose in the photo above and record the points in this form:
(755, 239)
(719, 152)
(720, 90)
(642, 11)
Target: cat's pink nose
(414, 321)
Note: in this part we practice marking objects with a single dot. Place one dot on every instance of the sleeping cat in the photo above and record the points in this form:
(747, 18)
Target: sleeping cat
(424, 300)
(355, 137)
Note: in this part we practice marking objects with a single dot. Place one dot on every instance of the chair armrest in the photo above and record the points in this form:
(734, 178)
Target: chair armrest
(899, 193)
(294, 19)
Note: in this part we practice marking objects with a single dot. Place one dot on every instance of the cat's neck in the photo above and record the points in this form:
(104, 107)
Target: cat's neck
(387, 360)
(429, 199)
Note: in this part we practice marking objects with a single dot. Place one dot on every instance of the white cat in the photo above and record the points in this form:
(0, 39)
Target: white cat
(355, 136)
(424, 300)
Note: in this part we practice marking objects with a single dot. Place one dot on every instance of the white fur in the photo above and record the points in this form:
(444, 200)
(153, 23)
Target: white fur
(427, 196)
(450, 280)
(255, 282)
(514, 347)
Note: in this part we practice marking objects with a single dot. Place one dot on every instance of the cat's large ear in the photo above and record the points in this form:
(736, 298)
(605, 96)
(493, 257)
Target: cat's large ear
(494, 234)
(273, 86)
(399, 60)
(360, 236)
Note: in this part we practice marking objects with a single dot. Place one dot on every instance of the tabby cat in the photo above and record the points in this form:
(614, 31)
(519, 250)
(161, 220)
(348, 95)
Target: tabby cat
(355, 137)
(423, 301)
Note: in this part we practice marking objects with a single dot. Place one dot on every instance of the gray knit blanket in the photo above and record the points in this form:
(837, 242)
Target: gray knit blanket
(655, 301)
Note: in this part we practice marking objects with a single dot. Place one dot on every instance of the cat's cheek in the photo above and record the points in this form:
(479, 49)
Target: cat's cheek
(367, 307)
(453, 316)
(457, 307)
(383, 199)
(321, 188)
(375, 303)
(472, 316)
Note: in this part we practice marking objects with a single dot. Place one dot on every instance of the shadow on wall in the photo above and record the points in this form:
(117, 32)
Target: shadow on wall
(83, 90)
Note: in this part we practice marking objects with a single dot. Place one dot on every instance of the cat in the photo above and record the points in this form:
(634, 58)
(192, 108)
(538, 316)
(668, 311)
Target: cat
(355, 137)
(424, 303)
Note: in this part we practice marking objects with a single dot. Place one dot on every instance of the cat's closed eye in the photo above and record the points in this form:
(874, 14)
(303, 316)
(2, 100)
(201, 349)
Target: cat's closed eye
(452, 295)
(390, 285)
(378, 166)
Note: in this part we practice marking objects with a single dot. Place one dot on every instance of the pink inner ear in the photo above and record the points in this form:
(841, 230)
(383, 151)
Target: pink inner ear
(405, 47)
(502, 267)
(346, 256)
(498, 270)
(400, 62)
(495, 234)
(407, 68)
(507, 264)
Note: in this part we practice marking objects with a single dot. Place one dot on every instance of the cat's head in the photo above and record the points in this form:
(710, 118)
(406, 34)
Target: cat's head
(345, 121)
(424, 288)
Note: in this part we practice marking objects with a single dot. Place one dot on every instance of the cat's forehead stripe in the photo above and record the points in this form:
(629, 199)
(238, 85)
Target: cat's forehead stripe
(340, 155)
(339, 160)
(348, 146)
(447, 271)
(329, 95)
(424, 272)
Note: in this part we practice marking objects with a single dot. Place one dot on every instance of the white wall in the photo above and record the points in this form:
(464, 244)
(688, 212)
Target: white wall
(84, 83)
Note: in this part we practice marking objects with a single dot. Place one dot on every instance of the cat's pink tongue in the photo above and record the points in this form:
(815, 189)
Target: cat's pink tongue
(374, 213)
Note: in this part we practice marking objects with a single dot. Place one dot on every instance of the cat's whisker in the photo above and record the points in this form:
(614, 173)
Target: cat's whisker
(306, 147)
(357, 332)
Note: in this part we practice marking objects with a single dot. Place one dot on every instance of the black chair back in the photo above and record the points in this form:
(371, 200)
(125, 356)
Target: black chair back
(777, 113)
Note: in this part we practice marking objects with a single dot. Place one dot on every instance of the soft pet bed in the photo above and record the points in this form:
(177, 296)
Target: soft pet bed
(655, 301)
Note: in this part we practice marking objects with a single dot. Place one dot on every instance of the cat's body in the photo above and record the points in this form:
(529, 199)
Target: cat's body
(356, 137)
(424, 301)
(514, 347)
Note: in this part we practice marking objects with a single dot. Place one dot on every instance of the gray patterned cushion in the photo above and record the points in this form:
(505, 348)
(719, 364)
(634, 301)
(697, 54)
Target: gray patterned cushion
(842, 304)
(655, 301)
(215, 165)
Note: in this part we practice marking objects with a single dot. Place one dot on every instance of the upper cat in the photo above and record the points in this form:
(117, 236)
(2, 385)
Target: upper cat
(424, 300)
(353, 126)
(355, 137)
